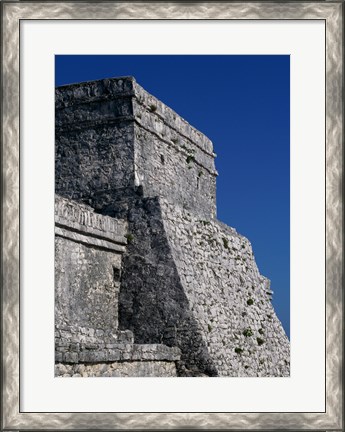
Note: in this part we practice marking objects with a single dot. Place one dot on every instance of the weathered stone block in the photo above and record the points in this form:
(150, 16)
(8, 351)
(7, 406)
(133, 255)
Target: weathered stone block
(71, 357)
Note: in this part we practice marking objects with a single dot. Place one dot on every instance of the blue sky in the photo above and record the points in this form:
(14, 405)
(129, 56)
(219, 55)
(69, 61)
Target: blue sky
(242, 103)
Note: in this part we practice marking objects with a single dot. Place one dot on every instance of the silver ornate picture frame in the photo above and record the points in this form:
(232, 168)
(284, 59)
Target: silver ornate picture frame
(332, 13)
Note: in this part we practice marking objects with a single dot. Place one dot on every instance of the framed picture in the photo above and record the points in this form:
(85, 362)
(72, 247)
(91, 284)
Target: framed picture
(172, 178)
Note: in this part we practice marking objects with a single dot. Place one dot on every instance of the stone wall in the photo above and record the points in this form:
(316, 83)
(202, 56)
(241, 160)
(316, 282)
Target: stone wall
(94, 129)
(88, 250)
(229, 299)
(172, 159)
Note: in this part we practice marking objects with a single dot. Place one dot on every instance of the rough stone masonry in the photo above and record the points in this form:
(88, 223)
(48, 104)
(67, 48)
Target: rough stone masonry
(148, 281)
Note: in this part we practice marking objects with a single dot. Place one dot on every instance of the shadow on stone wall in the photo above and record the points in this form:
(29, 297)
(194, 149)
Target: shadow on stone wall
(152, 302)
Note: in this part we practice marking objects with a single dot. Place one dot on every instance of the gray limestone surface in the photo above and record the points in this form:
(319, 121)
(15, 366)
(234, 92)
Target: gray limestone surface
(117, 369)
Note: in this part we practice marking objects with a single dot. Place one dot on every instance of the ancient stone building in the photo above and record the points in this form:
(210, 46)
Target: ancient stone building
(148, 281)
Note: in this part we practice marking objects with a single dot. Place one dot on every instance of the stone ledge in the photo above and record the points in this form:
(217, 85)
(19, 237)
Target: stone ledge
(93, 91)
(88, 240)
(206, 162)
(81, 217)
(88, 230)
(119, 352)
(172, 119)
(117, 369)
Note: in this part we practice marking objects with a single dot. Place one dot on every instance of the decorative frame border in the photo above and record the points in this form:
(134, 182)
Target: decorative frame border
(333, 14)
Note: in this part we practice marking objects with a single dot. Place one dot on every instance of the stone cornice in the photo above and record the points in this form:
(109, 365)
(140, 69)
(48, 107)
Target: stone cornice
(80, 223)
(93, 92)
